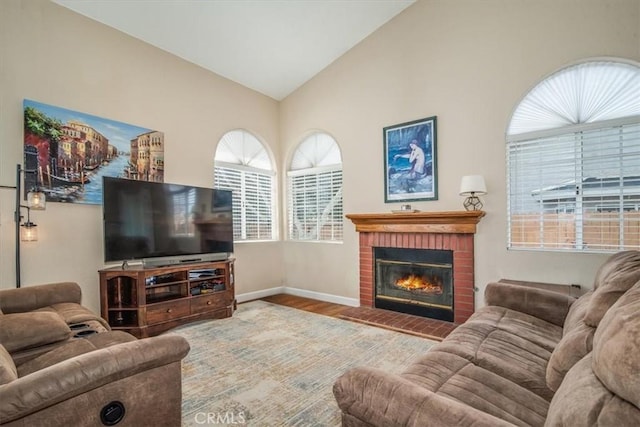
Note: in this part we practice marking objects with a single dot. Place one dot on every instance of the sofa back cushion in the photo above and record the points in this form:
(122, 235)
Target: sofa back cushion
(34, 297)
(20, 331)
(8, 370)
(616, 348)
(576, 342)
(603, 388)
(577, 312)
(617, 275)
(582, 400)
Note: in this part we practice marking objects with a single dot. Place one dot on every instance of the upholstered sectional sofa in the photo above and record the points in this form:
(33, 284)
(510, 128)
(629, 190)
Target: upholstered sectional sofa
(528, 357)
(60, 364)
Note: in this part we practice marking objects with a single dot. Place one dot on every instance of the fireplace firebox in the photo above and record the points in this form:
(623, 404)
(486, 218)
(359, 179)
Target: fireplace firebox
(414, 281)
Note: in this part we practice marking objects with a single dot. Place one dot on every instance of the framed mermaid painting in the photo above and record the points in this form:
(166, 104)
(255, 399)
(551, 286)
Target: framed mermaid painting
(410, 161)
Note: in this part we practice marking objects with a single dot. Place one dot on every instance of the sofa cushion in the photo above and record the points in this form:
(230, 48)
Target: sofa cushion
(604, 387)
(73, 313)
(456, 378)
(576, 342)
(508, 343)
(573, 347)
(72, 348)
(30, 298)
(110, 338)
(616, 348)
(20, 331)
(66, 351)
(8, 370)
(577, 312)
(617, 275)
(582, 400)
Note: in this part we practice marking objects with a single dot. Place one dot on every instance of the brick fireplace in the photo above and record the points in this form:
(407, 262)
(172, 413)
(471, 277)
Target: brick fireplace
(447, 231)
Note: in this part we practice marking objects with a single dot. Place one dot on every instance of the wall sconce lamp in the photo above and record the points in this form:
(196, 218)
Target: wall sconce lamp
(472, 186)
(26, 232)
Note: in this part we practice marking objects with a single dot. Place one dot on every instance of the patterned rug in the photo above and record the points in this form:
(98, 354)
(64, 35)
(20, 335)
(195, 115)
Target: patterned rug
(271, 365)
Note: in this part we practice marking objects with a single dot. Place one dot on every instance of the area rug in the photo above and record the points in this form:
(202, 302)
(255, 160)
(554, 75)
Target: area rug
(271, 365)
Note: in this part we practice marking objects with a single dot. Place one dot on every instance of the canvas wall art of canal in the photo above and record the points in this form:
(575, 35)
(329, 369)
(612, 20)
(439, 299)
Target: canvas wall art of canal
(71, 151)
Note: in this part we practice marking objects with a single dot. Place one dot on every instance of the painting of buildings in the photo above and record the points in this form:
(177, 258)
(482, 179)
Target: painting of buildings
(69, 152)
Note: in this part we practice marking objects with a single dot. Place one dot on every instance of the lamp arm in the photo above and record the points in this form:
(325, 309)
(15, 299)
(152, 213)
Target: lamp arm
(17, 218)
(17, 215)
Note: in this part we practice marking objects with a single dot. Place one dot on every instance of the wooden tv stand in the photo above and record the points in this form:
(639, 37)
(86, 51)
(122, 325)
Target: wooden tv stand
(148, 301)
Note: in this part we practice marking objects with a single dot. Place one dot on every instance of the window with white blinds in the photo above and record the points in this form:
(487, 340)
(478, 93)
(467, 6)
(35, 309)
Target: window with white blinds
(573, 161)
(314, 186)
(243, 166)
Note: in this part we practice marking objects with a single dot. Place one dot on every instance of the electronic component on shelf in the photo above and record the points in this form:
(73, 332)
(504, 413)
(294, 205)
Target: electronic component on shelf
(160, 279)
(207, 286)
(204, 273)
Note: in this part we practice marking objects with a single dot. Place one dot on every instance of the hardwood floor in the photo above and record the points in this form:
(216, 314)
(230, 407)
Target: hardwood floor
(406, 323)
(307, 304)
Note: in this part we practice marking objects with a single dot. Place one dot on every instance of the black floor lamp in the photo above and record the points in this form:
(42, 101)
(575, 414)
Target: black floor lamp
(27, 231)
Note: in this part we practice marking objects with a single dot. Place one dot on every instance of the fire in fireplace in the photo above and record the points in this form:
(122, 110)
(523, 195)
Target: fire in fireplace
(415, 281)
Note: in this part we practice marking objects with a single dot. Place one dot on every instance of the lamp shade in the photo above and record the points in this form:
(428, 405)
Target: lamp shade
(36, 200)
(472, 184)
(28, 232)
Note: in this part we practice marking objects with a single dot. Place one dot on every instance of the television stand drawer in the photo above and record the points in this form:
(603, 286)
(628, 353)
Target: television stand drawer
(167, 311)
(209, 302)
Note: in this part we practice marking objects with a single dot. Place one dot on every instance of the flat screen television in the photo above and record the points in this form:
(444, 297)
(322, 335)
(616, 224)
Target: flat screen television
(165, 224)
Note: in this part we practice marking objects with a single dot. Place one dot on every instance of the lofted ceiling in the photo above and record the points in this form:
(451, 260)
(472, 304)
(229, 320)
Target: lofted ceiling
(271, 46)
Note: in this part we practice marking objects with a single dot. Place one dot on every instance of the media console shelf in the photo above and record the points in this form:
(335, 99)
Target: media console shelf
(148, 301)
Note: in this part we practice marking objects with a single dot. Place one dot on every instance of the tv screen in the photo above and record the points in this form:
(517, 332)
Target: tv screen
(145, 220)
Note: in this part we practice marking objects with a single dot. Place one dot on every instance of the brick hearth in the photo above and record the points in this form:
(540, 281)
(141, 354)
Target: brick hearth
(452, 231)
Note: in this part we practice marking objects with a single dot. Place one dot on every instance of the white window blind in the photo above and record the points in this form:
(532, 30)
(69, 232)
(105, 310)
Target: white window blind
(314, 184)
(577, 191)
(315, 204)
(244, 167)
(575, 185)
(252, 201)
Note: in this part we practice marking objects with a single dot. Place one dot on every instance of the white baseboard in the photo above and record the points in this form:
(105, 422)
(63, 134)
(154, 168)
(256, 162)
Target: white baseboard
(320, 296)
(250, 296)
(351, 302)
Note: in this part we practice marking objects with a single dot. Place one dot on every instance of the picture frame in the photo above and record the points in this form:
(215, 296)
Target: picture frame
(410, 161)
(72, 151)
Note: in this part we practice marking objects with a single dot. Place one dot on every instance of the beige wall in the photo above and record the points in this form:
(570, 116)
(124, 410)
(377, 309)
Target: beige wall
(52, 55)
(468, 62)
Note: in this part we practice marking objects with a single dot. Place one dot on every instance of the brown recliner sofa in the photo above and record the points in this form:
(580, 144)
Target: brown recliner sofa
(53, 372)
(529, 357)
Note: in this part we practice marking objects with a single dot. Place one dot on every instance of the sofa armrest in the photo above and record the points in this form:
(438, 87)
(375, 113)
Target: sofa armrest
(86, 372)
(378, 398)
(34, 297)
(541, 303)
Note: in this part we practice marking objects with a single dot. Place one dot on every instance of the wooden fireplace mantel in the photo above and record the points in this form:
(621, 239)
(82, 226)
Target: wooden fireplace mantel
(417, 222)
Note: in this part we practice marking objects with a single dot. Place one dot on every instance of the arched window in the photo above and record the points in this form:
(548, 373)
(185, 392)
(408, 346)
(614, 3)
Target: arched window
(315, 190)
(573, 160)
(243, 165)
